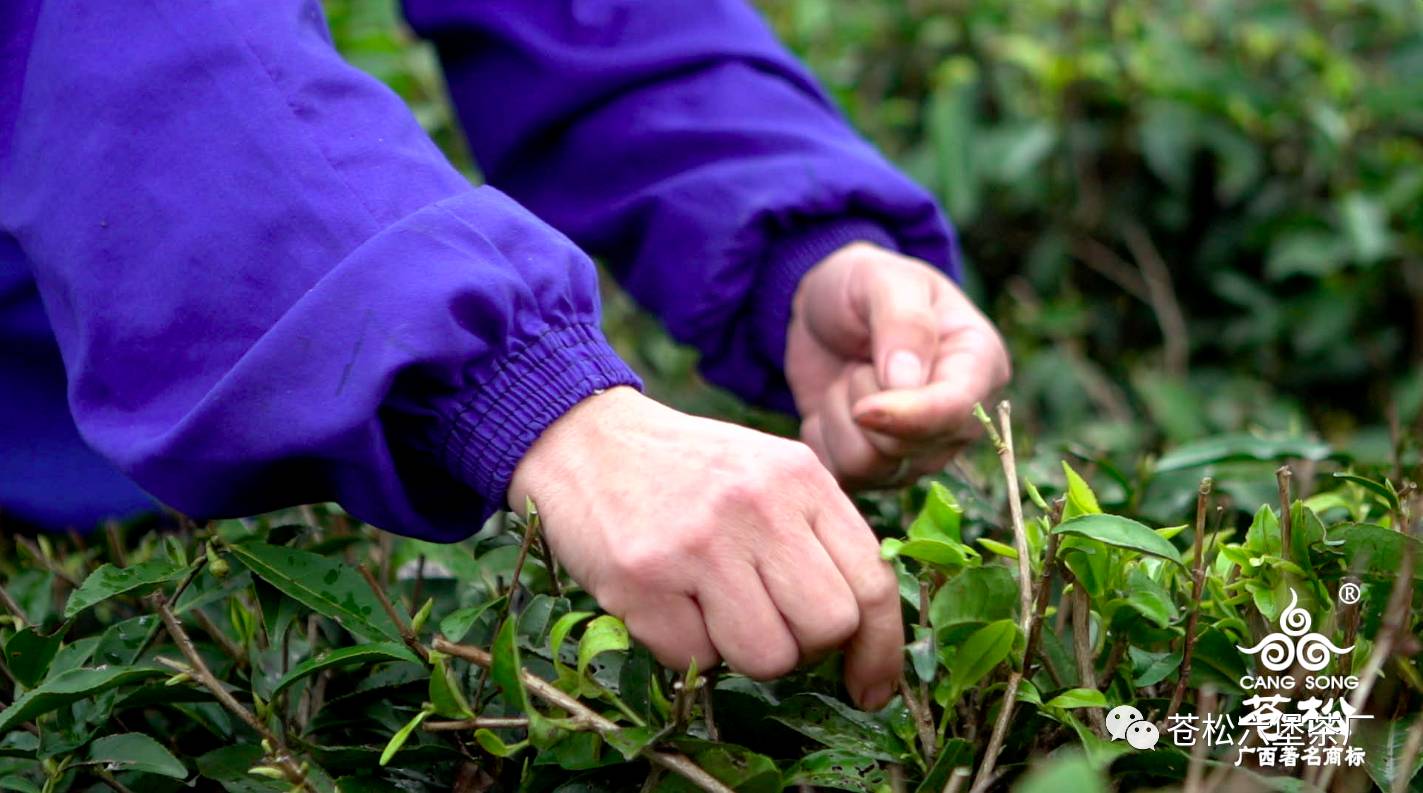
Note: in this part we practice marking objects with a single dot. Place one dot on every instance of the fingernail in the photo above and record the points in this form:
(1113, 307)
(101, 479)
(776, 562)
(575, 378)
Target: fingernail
(904, 370)
(876, 696)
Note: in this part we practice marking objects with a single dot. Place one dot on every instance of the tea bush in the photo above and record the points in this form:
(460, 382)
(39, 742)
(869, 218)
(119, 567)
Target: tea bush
(301, 650)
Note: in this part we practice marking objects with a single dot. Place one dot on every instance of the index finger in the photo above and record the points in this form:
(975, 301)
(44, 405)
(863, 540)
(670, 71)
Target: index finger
(873, 655)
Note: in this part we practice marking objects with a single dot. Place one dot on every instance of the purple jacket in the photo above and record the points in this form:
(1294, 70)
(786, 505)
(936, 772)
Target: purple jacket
(269, 287)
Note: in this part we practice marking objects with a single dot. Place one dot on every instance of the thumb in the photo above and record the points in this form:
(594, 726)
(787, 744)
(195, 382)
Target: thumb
(904, 331)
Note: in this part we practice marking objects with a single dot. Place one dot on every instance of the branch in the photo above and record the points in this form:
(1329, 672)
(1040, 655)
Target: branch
(1198, 583)
(1033, 608)
(1396, 612)
(1282, 477)
(1174, 335)
(582, 715)
(406, 634)
(278, 753)
(1003, 444)
(484, 722)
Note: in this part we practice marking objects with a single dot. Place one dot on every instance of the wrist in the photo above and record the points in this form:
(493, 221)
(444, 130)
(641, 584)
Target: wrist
(559, 449)
(790, 260)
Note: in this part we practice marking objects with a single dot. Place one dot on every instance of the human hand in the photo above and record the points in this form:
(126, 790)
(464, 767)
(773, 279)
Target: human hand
(886, 357)
(713, 541)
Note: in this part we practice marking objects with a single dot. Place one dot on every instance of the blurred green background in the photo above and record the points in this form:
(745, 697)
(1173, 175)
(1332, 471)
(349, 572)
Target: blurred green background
(1188, 218)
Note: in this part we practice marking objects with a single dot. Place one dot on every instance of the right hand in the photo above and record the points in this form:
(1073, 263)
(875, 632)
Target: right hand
(713, 541)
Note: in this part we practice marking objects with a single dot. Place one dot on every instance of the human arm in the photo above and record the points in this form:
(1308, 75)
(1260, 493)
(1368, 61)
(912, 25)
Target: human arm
(268, 285)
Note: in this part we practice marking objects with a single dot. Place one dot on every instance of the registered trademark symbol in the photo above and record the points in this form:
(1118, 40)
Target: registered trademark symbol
(1349, 593)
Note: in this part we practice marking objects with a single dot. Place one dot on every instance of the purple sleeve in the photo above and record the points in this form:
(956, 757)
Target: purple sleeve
(268, 285)
(680, 142)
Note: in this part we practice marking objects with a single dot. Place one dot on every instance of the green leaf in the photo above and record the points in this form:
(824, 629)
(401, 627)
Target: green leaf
(1373, 551)
(457, 624)
(1080, 498)
(1120, 532)
(1150, 599)
(940, 517)
(1078, 698)
(981, 653)
(505, 670)
(604, 634)
(121, 643)
(1386, 494)
(953, 753)
(327, 586)
(1150, 668)
(1002, 549)
(737, 767)
(28, 653)
(559, 633)
(446, 696)
(839, 726)
(70, 686)
(228, 767)
(1384, 741)
(495, 745)
(1263, 537)
(839, 770)
(1224, 448)
(942, 553)
(19, 784)
(372, 653)
(1366, 225)
(1065, 771)
(630, 741)
(132, 751)
(976, 595)
(402, 735)
(110, 581)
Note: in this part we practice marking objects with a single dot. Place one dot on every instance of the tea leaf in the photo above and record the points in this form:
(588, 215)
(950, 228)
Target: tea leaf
(1120, 532)
(838, 726)
(28, 653)
(71, 686)
(1078, 698)
(327, 586)
(1224, 448)
(132, 751)
(1080, 498)
(109, 581)
(604, 634)
(838, 769)
(446, 696)
(402, 735)
(988, 647)
(940, 517)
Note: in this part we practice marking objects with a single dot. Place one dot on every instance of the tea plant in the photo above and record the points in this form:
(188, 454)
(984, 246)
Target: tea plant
(303, 651)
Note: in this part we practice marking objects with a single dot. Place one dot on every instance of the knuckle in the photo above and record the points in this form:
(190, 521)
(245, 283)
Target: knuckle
(878, 588)
(740, 491)
(801, 461)
(771, 663)
(637, 561)
(839, 623)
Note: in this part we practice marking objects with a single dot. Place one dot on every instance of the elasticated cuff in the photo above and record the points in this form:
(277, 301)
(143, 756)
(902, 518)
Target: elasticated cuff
(788, 261)
(531, 389)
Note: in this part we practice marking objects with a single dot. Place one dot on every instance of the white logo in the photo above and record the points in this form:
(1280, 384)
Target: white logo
(1296, 644)
(1349, 593)
(1125, 721)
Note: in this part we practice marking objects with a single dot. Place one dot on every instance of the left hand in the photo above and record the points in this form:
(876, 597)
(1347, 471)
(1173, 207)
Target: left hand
(886, 357)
